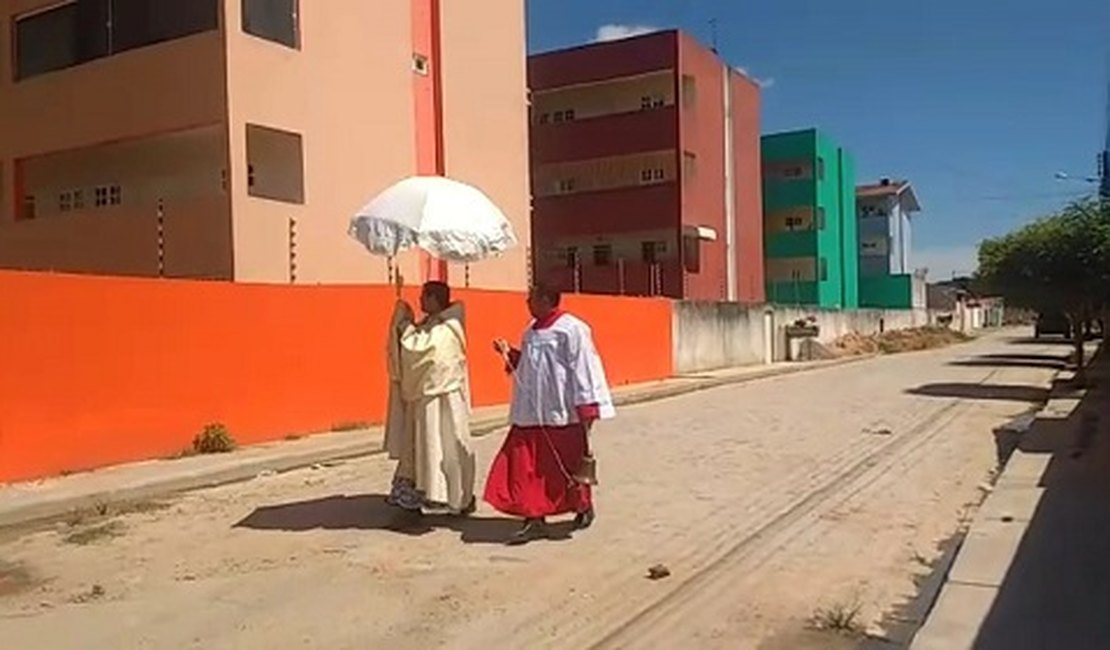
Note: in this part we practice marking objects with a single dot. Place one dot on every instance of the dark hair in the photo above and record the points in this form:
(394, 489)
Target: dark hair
(440, 291)
(548, 292)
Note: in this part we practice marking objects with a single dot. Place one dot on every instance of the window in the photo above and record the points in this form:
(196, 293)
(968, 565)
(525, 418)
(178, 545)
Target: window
(46, 41)
(107, 195)
(65, 202)
(651, 251)
(792, 172)
(649, 102)
(824, 268)
(545, 118)
(565, 185)
(275, 167)
(420, 64)
(78, 197)
(820, 218)
(603, 255)
(272, 20)
(138, 23)
(652, 175)
(84, 30)
(645, 103)
(820, 169)
(572, 257)
(559, 117)
(27, 211)
(794, 223)
(569, 114)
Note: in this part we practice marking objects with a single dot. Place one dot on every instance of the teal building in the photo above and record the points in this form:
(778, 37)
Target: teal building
(811, 236)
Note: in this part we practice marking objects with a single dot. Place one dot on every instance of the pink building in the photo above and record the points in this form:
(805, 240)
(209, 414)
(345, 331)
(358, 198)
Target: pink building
(234, 139)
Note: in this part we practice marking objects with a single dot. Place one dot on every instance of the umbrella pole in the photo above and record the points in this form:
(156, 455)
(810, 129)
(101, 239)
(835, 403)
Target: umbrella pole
(466, 275)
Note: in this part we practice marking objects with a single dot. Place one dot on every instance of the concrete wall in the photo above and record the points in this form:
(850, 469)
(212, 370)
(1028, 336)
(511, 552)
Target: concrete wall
(709, 335)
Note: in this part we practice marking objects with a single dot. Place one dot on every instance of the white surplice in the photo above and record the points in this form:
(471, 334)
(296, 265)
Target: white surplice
(559, 371)
(428, 421)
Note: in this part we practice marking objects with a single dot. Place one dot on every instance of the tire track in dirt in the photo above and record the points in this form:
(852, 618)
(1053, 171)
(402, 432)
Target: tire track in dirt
(578, 623)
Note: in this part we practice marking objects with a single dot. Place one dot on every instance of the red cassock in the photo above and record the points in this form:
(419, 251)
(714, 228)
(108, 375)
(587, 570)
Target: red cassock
(531, 476)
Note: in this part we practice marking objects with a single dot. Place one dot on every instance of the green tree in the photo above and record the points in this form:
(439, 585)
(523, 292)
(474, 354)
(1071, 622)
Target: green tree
(1060, 263)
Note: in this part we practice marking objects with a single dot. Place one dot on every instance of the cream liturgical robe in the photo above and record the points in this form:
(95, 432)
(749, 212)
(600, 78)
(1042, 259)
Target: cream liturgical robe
(428, 422)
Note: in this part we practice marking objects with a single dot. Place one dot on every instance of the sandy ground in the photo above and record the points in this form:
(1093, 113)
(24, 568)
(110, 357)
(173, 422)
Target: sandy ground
(768, 501)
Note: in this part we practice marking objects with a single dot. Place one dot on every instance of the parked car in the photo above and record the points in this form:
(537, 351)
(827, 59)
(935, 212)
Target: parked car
(1052, 324)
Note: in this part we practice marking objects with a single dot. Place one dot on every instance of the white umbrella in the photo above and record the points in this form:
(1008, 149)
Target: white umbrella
(450, 220)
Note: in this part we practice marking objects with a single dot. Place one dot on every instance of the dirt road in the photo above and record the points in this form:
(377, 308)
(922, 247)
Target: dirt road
(769, 502)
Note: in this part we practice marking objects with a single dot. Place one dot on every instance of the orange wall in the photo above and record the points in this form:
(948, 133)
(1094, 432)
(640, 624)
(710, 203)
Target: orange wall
(96, 371)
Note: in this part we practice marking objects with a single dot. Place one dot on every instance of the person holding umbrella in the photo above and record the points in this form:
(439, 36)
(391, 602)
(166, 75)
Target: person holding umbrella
(428, 423)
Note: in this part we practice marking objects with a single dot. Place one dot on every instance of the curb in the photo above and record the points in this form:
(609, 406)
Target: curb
(47, 509)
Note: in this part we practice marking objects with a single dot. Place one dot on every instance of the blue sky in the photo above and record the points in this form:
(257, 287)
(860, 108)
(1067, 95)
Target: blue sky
(978, 102)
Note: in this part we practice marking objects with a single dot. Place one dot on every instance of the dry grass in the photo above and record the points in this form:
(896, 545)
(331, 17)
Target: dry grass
(843, 617)
(896, 341)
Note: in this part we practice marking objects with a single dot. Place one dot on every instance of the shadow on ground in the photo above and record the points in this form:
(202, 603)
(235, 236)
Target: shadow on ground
(1056, 593)
(1005, 392)
(371, 512)
(1049, 361)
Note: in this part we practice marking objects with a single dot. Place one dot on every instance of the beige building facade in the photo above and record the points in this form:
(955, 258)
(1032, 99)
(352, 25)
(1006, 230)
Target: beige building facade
(234, 139)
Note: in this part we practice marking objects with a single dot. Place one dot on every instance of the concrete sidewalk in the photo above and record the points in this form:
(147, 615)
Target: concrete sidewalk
(27, 503)
(1033, 568)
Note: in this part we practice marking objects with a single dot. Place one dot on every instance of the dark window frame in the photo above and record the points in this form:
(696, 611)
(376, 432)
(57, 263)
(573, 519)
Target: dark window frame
(260, 32)
(100, 29)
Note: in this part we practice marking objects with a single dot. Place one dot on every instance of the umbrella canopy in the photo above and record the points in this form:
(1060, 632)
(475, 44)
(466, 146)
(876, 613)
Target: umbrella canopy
(450, 220)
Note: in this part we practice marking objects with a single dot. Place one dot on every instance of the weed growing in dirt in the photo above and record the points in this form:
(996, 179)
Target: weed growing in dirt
(215, 439)
(842, 617)
(94, 534)
(95, 592)
(350, 426)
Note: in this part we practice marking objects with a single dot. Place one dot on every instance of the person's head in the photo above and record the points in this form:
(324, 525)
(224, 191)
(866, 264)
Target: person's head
(543, 299)
(435, 297)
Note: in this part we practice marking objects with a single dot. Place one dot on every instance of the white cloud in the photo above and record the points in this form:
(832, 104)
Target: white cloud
(944, 261)
(615, 32)
(762, 83)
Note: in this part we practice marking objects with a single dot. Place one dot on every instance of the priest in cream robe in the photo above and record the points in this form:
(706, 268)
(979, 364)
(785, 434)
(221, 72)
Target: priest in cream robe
(428, 422)
(559, 392)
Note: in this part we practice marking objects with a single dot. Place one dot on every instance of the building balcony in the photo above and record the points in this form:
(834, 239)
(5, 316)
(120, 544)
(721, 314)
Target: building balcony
(163, 87)
(792, 244)
(632, 209)
(781, 195)
(609, 135)
(788, 292)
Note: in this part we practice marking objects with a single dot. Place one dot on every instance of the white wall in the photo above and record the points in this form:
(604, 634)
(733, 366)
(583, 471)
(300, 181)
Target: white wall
(709, 335)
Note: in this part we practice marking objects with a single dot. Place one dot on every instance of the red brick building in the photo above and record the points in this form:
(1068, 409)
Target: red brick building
(646, 171)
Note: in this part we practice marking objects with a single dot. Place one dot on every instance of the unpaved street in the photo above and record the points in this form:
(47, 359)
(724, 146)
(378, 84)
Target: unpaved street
(768, 502)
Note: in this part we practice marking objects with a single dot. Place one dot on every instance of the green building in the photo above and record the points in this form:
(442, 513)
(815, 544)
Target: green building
(810, 227)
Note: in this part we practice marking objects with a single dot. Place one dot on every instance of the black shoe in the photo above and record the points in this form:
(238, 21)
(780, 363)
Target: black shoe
(532, 530)
(584, 520)
(470, 508)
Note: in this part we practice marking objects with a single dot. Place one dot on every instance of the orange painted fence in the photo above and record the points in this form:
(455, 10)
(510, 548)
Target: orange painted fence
(97, 371)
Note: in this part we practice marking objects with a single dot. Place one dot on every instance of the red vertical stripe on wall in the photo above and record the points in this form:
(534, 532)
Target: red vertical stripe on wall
(428, 107)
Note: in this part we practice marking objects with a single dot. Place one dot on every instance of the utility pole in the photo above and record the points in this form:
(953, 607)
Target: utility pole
(1104, 156)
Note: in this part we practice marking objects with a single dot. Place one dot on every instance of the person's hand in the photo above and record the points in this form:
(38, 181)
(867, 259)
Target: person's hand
(502, 347)
(403, 308)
